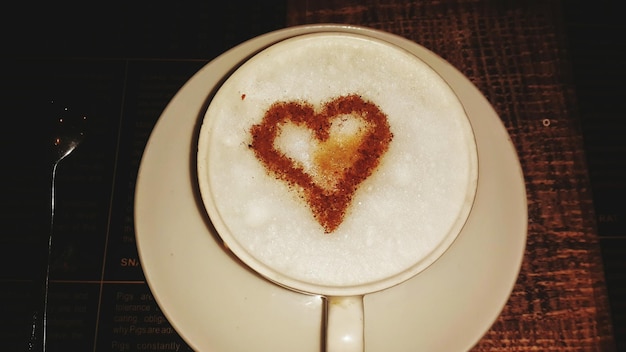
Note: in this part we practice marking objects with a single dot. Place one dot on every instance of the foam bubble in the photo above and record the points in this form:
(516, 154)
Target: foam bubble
(256, 214)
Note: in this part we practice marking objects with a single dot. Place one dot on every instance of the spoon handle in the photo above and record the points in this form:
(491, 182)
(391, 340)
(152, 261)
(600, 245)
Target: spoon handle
(38, 336)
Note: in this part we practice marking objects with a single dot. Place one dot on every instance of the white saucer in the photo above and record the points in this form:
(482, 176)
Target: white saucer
(216, 304)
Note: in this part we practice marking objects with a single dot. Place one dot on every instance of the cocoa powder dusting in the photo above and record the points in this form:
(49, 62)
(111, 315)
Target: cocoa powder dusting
(329, 206)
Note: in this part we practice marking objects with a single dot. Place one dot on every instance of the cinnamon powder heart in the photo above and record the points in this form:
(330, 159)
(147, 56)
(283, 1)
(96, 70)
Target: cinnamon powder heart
(341, 164)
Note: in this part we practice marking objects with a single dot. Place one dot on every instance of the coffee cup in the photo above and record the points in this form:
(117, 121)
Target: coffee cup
(339, 165)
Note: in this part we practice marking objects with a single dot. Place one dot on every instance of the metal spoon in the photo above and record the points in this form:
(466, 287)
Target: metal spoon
(68, 133)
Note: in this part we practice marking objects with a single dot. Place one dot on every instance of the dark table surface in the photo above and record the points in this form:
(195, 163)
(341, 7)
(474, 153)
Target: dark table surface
(121, 65)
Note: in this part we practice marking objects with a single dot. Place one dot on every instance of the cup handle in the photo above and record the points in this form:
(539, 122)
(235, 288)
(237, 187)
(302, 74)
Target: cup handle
(344, 324)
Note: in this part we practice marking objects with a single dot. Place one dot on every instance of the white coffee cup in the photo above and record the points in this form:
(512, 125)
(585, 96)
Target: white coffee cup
(401, 216)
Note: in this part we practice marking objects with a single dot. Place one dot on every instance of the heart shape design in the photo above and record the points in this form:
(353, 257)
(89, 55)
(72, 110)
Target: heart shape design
(350, 135)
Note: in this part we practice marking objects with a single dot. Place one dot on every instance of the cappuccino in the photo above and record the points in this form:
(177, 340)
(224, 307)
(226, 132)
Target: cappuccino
(337, 160)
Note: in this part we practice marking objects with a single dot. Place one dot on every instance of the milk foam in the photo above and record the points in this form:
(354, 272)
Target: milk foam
(421, 191)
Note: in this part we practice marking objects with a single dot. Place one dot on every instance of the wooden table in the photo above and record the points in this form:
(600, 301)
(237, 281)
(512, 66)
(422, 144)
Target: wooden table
(515, 53)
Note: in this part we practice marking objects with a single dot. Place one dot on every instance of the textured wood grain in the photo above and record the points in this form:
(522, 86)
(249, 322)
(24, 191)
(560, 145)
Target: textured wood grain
(515, 53)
